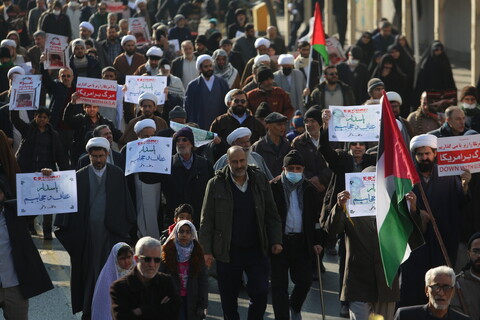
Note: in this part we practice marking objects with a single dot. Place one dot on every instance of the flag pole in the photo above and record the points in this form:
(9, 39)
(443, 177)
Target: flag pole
(434, 225)
(308, 73)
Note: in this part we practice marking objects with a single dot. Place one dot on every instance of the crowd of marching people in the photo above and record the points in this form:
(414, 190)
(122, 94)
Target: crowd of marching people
(262, 199)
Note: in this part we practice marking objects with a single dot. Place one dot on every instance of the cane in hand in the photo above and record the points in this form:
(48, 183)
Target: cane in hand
(322, 301)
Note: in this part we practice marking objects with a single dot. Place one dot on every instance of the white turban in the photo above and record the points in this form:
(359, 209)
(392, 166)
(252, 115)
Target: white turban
(201, 59)
(286, 59)
(87, 25)
(98, 142)
(8, 43)
(392, 96)
(261, 58)
(139, 1)
(77, 42)
(125, 39)
(228, 96)
(14, 70)
(147, 96)
(145, 123)
(262, 42)
(154, 51)
(423, 140)
(237, 134)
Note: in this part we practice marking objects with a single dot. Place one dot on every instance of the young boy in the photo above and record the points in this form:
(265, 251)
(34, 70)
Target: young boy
(182, 212)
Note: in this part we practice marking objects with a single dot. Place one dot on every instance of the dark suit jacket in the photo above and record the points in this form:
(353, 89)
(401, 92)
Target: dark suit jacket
(31, 272)
(129, 293)
(124, 69)
(177, 67)
(421, 312)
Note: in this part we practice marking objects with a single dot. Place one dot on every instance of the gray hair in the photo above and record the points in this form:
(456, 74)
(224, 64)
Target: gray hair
(441, 270)
(450, 110)
(146, 242)
(40, 33)
(96, 131)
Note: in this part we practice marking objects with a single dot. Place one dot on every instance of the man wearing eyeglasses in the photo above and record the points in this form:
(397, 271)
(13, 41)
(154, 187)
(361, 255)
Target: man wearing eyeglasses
(331, 92)
(238, 115)
(145, 293)
(439, 288)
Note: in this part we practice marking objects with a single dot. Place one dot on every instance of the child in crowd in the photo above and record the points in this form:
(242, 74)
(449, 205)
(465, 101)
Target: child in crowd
(182, 212)
(182, 257)
(298, 126)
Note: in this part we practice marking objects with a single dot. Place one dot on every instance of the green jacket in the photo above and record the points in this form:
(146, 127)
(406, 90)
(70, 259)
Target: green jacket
(217, 214)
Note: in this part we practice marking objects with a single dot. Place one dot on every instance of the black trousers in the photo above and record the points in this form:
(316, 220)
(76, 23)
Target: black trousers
(295, 258)
(254, 263)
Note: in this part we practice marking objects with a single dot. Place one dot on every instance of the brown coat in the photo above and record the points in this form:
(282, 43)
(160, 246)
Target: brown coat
(130, 135)
(122, 67)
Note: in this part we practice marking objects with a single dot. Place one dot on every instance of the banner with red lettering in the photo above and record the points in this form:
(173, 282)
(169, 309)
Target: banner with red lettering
(25, 92)
(456, 154)
(97, 92)
(139, 28)
(114, 7)
(56, 51)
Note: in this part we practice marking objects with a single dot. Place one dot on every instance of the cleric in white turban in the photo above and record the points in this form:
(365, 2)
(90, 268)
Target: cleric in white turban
(145, 123)
(423, 140)
(98, 142)
(147, 96)
(238, 133)
(15, 70)
(87, 25)
(201, 59)
(262, 42)
(125, 39)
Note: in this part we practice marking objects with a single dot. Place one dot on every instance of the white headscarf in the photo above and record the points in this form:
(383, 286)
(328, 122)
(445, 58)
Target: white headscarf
(101, 303)
(183, 252)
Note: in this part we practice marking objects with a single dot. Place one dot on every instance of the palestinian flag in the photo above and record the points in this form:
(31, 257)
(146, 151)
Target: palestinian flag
(396, 176)
(318, 36)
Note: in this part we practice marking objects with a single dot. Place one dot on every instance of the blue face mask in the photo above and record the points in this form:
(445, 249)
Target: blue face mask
(293, 177)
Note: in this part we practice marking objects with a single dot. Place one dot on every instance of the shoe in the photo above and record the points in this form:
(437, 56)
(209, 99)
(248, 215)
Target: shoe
(47, 236)
(294, 315)
(344, 313)
(332, 251)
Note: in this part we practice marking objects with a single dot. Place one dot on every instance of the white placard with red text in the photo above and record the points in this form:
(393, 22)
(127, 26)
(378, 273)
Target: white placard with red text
(38, 194)
(456, 154)
(97, 92)
(56, 51)
(25, 92)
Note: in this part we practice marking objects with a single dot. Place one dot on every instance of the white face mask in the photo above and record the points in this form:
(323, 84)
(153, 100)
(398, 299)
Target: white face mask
(56, 12)
(353, 62)
(469, 106)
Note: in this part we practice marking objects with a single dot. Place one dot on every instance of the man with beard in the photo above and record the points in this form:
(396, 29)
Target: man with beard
(105, 217)
(151, 67)
(468, 282)
(148, 105)
(276, 97)
(129, 61)
(98, 19)
(454, 124)
(274, 146)
(109, 48)
(306, 65)
(81, 64)
(246, 44)
(261, 47)
(224, 70)
(204, 98)
(424, 119)
(445, 196)
(290, 80)
(331, 92)
(86, 31)
(188, 179)
(237, 115)
(242, 137)
(240, 226)
(439, 288)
